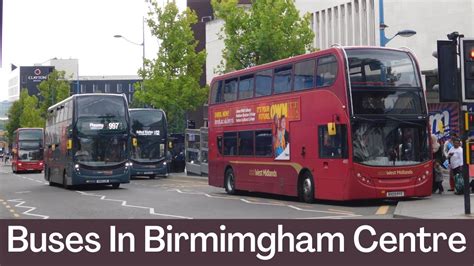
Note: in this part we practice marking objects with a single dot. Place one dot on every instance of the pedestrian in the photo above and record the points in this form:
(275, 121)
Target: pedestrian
(446, 147)
(455, 155)
(437, 158)
(438, 181)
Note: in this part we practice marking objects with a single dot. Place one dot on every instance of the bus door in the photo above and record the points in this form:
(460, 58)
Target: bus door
(333, 163)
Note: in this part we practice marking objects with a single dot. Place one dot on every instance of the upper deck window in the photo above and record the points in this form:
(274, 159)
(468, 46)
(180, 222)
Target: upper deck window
(326, 71)
(230, 90)
(381, 68)
(246, 87)
(216, 92)
(304, 75)
(282, 79)
(263, 83)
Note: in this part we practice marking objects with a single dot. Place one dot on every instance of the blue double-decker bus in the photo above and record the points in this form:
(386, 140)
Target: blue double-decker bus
(149, 142)
(87, 141)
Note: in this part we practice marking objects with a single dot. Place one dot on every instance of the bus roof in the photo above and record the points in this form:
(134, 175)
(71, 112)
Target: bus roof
(82, 95)
(145, 109)
(284, 61)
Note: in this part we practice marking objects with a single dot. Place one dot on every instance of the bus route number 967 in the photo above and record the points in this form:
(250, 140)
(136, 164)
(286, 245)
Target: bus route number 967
(114, 125)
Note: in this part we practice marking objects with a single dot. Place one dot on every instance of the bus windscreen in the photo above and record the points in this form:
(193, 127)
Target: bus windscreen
(148, 126)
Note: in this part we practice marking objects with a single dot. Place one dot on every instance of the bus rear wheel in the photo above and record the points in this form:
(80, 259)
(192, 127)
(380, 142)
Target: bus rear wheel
(229, 182)
(306, 188)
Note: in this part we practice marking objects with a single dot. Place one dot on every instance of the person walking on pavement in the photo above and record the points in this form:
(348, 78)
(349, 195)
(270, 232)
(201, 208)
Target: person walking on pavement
(438, 181)
(456, 159)
(448, 144)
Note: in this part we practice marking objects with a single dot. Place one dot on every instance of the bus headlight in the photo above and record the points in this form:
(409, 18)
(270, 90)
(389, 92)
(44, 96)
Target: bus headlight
(76, 167)
(19, 164)
(164, 163)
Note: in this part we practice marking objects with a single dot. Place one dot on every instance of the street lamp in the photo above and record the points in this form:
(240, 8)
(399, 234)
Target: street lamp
(383, 39)
(140, 44)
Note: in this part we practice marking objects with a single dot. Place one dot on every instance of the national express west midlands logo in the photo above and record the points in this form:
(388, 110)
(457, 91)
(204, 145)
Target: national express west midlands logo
(37, 77)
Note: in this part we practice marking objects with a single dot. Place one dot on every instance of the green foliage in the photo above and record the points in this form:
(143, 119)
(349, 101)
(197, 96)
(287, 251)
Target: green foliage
(31, 116)
(53, 90)
(24, 112)
(269, 30)
(171, 81)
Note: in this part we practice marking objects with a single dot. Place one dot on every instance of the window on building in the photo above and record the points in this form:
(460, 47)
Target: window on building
(282, 79)
(83, 88)
(263, 83)
(107, 88)
(304, 75)
(119, 88)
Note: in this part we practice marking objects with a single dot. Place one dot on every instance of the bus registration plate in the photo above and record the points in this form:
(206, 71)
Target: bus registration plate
(147, 173)
(103, 181)
(395, 193)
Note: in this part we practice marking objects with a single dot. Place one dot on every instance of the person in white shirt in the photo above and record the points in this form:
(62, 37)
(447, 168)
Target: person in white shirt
(456, 157)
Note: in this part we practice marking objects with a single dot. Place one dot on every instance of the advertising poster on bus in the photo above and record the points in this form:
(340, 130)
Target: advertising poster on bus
(278, 113)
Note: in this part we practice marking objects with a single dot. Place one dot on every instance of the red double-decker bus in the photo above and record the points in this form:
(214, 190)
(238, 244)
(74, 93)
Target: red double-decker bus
(339, 124)
(27, 150)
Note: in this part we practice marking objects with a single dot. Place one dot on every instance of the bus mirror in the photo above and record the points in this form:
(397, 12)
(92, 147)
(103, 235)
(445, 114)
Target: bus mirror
(134, 142)
(332, 129)
(69, 144)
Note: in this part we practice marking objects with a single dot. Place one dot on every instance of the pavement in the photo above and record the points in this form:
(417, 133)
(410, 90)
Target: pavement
(439, 206)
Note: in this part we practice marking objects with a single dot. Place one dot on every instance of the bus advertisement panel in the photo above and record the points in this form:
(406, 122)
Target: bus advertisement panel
(149, 142)
(339, 124)
(87, 141)
(27, 150)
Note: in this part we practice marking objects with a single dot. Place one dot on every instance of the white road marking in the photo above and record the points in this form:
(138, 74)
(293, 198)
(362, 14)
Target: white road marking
(124, 203)
(334, 213)
(20, 204)
(22, 192)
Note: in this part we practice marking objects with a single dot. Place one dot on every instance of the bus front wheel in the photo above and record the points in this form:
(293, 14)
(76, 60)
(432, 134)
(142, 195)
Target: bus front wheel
(306, 188)
(115, 185)
(229, 182)
(65, 185)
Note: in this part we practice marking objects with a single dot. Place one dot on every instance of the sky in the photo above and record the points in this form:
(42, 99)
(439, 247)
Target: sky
(35, 31)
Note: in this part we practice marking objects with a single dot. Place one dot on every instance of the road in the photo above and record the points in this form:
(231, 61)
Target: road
(29, 196)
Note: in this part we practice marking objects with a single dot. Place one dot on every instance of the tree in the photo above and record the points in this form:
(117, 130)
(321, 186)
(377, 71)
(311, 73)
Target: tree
(171, 81)
(14, 113)
(24, 113)
(31, 116)
(53, 90)
(269, 30)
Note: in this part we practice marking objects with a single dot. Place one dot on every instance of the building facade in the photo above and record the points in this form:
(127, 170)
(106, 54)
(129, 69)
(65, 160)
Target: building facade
(357, 22)
(106, 84)
(27, 77)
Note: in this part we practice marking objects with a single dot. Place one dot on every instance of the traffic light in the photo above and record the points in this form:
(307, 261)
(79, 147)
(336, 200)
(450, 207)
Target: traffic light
(448, 71)
(467, 69)
(469, 121)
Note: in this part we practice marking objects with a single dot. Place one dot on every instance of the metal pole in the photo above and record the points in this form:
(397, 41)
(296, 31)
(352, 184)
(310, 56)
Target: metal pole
(383, 39)
(464, 135)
